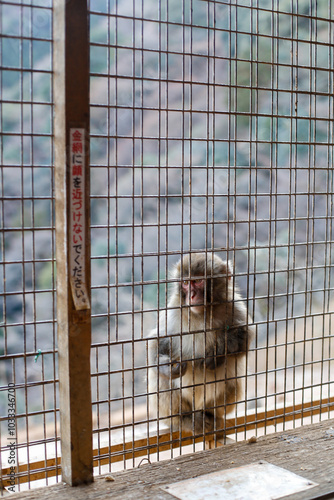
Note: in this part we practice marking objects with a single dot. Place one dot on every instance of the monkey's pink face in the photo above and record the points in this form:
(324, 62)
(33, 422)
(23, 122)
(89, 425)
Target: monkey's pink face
(194, 294)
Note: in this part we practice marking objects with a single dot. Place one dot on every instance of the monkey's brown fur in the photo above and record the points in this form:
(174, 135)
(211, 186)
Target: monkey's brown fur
(197, 354)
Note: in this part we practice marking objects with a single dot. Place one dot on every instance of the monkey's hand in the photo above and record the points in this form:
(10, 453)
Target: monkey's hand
(178, 368)
(211, 361)
(169, 367)
(237, 340)
(173, 369)
(231, 341)
(214, 362)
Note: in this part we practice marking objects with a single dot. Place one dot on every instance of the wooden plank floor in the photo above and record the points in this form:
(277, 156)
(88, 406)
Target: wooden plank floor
(307, 451)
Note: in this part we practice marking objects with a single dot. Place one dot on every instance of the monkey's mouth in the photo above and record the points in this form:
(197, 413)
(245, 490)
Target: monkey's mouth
(197, 308)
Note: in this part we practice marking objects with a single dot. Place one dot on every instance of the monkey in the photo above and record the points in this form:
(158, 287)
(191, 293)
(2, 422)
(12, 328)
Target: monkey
(197, 351)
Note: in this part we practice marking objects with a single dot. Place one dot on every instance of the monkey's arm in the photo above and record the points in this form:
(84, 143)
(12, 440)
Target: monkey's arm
(231, 340)
(236, 339)
(168, 366)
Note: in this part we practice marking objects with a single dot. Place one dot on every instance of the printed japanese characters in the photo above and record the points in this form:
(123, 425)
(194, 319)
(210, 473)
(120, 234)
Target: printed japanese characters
(197, 352)
(77, 226)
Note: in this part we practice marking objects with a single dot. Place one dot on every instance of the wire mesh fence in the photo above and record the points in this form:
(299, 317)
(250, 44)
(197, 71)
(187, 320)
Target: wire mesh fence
(28, 397)
(211, 131)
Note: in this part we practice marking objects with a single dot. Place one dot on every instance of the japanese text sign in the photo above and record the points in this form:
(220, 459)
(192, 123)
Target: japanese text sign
(77, 218)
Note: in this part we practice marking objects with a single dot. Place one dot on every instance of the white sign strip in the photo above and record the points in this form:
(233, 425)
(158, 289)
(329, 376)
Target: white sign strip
(77, 217)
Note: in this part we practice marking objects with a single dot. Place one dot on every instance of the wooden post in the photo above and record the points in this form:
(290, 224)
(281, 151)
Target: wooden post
(71, 93)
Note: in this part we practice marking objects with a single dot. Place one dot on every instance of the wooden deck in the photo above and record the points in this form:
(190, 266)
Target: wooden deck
(307, 451)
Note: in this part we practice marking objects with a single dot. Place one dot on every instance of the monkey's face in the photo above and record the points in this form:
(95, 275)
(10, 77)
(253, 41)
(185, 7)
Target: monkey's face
(202, 282)
(194, 294)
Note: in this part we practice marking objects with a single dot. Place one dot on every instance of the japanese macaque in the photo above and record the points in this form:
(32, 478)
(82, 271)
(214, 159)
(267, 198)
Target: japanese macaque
(197, 352)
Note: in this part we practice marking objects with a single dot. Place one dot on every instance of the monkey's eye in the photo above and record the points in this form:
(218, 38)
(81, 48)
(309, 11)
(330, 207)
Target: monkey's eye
(185, 283)
(198, 281)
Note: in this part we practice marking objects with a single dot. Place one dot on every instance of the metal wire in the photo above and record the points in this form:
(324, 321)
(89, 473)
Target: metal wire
(28, 394)
(211, 130)
(211, 121)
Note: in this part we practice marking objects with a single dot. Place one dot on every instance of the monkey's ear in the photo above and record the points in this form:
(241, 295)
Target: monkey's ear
(175, 271)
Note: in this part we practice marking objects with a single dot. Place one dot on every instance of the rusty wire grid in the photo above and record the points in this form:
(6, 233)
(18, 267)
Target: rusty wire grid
(211, 129)
(28, 359)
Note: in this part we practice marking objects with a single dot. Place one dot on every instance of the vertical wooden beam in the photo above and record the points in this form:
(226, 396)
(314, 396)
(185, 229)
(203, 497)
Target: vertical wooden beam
(71, 92)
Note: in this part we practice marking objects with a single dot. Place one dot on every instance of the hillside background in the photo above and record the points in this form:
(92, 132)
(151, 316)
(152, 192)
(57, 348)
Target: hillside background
(243, 164)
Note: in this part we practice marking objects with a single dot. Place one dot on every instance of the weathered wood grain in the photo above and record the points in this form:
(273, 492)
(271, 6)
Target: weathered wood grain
(71, 85)
(307, 451)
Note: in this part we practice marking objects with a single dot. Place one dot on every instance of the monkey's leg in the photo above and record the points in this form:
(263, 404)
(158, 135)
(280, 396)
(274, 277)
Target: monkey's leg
(206, 422)
(198, 422)
(171, 407)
